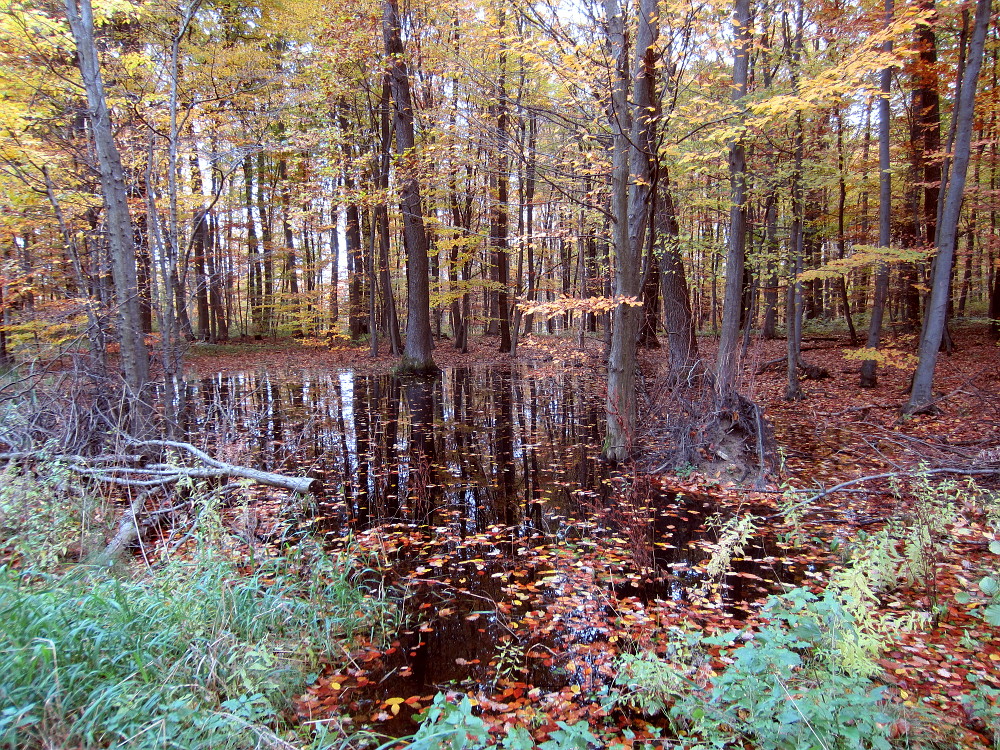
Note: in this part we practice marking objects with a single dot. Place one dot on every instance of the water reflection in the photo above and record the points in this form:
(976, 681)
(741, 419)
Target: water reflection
(498, 449)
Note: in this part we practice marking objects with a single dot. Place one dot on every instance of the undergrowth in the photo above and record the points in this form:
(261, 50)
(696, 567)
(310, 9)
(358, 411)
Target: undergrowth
(196, 655)
(192, 652)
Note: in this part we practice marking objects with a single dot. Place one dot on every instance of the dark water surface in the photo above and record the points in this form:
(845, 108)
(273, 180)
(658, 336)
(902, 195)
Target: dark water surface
(479, 491)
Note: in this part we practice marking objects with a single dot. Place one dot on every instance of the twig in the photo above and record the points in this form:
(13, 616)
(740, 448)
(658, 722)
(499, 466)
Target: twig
(875, 477)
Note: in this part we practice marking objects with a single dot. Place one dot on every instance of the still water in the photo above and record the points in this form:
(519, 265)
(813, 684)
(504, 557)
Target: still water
(483, 496)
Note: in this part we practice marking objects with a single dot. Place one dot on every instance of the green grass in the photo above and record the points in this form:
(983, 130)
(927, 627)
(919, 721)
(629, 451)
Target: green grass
(196, 655)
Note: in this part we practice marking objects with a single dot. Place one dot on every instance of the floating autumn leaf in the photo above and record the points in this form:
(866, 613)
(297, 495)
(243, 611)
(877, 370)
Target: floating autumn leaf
(393, 704)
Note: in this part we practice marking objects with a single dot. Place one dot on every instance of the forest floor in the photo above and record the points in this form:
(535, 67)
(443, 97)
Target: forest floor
(837, 433)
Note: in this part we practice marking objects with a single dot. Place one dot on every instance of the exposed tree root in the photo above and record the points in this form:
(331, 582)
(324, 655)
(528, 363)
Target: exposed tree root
(721, 435)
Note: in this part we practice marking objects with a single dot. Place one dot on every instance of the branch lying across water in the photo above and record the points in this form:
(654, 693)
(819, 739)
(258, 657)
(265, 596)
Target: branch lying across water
(117, 469)
(955, 470)
(128, 470)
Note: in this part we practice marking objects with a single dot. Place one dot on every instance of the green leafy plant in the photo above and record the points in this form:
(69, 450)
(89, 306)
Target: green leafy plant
(650, 682)
(791, 684)
(733, 535)
(989, 586)
(46, 518)
(451, 725)
(509, 661)
(914, 544)
(984, 703)
(800, 681)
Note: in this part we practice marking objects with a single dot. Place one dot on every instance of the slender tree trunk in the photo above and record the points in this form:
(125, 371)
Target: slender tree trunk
(529, 216)
(267, 245)
(841, 227)
(727, 365)
(995, 307)
(499, 217)
(869, 378)
(793, 316)
(199, 245)
(334, 269)
(921, 395)
(382, 218)
(290, 271)
(121, 237)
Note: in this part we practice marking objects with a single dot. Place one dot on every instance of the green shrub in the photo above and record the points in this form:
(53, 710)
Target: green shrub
(45, 517)
(794, 683)
(445, 725)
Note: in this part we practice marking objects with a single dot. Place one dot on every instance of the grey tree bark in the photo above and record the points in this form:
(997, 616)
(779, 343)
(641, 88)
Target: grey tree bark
(417, 357)
(631, 123)
(793, 317)
(869, 379)
(121, 238)
(729, 335)
(921, 396)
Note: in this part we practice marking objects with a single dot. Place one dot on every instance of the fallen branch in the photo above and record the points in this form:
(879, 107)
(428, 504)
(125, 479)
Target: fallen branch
(888, 475)
(811, 372)
(223, 469)
(128, 529)
(112, 469)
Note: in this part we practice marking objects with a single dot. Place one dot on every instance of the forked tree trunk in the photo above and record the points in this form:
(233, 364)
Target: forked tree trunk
(632, 158)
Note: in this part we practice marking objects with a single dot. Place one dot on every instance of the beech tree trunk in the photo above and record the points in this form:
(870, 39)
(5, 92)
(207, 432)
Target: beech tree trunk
(121, 236)
(793, 316)
(417, 357)
(869, 378)
(921, 396)
(631, 132)
(726, 366)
